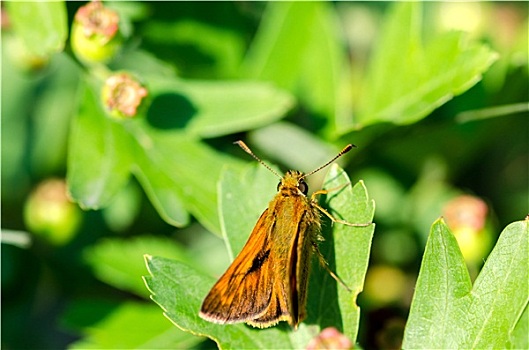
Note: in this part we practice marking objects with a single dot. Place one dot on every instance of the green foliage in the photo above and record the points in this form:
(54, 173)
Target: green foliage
(165, 153)
(179, 289)
(298, 48)
(434, 95)
(448, 312)
(423, 76)
(120, 263)
(44, 36)
(131, 325)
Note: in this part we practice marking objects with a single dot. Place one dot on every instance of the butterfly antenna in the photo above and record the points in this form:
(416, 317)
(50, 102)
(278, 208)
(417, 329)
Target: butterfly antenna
(249, 151)
(342, 152)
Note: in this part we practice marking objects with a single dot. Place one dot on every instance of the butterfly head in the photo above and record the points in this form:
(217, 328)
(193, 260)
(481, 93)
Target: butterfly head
(293, 183)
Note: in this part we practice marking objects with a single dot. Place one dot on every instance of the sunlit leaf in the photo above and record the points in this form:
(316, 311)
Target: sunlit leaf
(129, 326)
(41, 24)
(99, 157)
(119, 262)
(407, 79)
(448, 312)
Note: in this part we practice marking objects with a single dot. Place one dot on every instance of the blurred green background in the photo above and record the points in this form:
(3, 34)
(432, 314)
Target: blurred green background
(434, 95)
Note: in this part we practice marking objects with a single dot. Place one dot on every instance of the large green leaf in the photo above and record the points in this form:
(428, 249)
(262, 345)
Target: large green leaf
(163, 191)
(443, 281)
(298, 48)
(131, 325)
(280, 45)
(211, 109)
(407, 79)
(351, 246)
(179, 289)
(519, 338)
(179, 168)
(53, 110)
(119, 263)
(99, 156)
(500, 292)
(447, 312)
(42, 25)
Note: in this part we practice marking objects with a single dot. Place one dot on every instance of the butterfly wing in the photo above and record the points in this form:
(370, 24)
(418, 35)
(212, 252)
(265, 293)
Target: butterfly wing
(294, 231)
(246, 290)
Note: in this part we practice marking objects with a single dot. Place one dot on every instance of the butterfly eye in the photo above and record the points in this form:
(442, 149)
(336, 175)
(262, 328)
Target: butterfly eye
(303, 187)
(278, 185)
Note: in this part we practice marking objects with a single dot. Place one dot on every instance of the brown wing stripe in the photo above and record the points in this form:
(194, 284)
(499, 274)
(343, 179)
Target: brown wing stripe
(258, 261)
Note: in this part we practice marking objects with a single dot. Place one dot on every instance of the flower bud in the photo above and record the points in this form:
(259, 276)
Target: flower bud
(122, 95)
(330, 338)
(466, 217)
(49, 213)
(95, 33)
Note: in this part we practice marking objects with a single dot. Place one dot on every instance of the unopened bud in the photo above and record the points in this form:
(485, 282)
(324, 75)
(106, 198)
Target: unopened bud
(122, 95)
(49, 213)
(466, 217)
(330, 338)
(95, 33)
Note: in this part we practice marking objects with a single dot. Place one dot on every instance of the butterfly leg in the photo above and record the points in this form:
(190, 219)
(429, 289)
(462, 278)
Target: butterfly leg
(329, 215)
(338, 221)
(324, 264)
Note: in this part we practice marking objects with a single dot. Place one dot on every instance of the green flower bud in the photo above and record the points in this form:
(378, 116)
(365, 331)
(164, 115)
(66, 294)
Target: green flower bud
(466, 216)
(95, 36)
(49, 213)
(122, 95)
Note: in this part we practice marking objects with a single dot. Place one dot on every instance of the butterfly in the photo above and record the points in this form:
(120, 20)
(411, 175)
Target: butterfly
(267, 282)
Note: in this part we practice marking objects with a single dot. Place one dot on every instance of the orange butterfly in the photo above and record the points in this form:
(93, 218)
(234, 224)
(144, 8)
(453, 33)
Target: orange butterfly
(267, 281)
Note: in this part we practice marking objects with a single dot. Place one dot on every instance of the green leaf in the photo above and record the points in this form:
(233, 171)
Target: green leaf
(172, 167)
(211, 109)
(162, 148)
(99, 154)
(168, 162)
(42, 25)
(180, 289)
(500, 293)
(351, 246)
(209, 50)
(124, 208)
(298, 48)
(443, 280)
(280, 44)
(130, 326)
(519, 338)
(163, 191)
(447, 312)
(119, 262)
(54, 109)
(407, 80)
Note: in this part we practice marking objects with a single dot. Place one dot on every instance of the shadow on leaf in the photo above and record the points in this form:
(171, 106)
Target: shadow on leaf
(170, 111)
